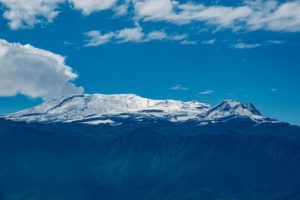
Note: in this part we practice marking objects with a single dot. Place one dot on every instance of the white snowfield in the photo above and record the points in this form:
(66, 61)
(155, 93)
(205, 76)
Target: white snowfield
(99, 109)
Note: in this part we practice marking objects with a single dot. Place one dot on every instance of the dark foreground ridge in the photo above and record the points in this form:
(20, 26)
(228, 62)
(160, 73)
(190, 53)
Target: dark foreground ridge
(235, 160)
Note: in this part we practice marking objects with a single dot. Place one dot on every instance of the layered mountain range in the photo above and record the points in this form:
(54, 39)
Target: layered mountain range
(125, 147)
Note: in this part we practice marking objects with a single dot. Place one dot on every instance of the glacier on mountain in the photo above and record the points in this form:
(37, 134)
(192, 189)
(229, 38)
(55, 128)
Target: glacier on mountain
(99, 109)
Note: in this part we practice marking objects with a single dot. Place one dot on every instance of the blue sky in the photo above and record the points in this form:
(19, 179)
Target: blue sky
(206, 51)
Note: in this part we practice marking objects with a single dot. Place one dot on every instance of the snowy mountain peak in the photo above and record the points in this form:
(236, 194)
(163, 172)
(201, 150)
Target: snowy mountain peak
(233, 109)
(234, 104)
(100, 108)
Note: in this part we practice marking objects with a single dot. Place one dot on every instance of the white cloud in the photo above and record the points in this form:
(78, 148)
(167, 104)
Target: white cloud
(135, 34)
(206, 92)
(212, 41)
(188, 42)
(276, 17)
(179, 37)
(241, 45)
(275, 42)
(27, 13)
(122, 7)
(179, 87)
(34, 72)
(157, 35)
(173, 11)
(89, 6)
(96, 38)
(252, 15)
(269, 15)
(154, 9)
(162, 35)
(121, 10)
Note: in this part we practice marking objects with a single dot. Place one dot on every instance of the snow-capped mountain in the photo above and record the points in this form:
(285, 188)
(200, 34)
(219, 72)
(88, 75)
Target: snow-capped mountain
(231, 109)
(99, 108)
(132, 147)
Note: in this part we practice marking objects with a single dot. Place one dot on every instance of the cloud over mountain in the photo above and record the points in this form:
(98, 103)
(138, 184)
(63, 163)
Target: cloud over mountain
(34, 72)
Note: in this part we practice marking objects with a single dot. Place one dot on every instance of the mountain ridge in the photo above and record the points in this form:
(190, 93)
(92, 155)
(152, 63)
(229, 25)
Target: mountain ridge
(157, 149)
(162, 161)
(99, 108)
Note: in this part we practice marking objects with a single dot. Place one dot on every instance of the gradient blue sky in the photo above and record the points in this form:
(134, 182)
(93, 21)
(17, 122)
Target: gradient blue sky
(197, 60)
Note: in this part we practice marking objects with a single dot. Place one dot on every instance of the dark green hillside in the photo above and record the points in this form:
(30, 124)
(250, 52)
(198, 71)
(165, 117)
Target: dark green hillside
(163, 161)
